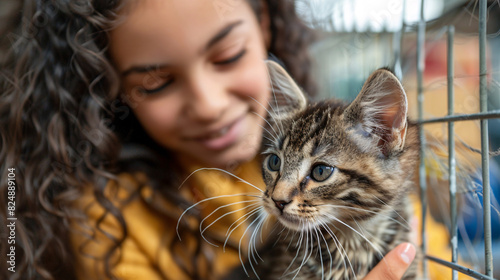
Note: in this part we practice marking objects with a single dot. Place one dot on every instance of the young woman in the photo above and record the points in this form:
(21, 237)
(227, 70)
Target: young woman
(108, 105)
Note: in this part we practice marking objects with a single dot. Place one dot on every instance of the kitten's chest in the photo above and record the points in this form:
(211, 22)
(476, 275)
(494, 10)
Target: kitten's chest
(338, 251)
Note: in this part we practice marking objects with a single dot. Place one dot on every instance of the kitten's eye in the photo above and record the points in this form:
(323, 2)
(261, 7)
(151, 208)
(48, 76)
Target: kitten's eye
(274, 163)
(322, 172)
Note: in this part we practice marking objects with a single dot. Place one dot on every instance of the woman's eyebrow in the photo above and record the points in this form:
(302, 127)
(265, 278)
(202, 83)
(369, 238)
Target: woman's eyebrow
(214, 40)
(142, 69)
(222, 34)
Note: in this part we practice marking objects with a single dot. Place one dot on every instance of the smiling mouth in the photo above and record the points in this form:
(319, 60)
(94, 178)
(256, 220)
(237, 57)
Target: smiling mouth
(224, 137)
(216, 134)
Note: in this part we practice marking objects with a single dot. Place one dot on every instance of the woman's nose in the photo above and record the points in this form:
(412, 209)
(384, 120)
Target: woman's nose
(207, 99)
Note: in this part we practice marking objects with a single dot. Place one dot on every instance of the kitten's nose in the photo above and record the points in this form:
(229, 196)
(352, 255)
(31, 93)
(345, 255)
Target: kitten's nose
(280, 203)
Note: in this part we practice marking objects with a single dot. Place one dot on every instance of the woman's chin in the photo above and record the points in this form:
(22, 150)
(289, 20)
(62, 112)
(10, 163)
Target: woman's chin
(228, 160)
(235, 156)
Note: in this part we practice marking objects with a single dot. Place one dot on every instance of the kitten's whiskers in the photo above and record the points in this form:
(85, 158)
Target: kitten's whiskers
(221, 170)
(239, 247)
(320, 254)
(406, 226)
(307, 252)
(221, 217)
(367, 233)
(394, 210)
(327, 249)
(361, 235)
(291, 239)
(245, 218)
(272, 135)
(202, 201)
(342, 251)
(275, 132)
(280, 126)
(299, 245)
(274, 97)
(252, 248)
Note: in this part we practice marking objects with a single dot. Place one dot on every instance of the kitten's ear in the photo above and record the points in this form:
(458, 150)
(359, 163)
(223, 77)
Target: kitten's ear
(286, 96)
(380, 110)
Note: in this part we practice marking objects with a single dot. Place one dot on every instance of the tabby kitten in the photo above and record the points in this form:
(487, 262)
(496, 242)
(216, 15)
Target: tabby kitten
(337, 179)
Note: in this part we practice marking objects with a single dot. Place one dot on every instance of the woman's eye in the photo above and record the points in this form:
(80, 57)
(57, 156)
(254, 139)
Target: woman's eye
(322, 172)
(274, 163)
(232, 59)
(157, 89)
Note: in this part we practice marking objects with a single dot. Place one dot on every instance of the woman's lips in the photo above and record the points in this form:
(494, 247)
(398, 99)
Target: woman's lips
(223, 138)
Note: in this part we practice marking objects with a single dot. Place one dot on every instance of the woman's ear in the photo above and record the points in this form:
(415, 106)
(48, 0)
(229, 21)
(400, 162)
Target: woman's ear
(265, 23)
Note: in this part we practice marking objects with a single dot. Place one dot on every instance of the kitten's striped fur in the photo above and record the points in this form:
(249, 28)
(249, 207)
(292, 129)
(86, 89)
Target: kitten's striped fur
(337, 228)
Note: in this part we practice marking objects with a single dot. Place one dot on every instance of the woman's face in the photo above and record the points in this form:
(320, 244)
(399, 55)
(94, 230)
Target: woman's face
(193, 73)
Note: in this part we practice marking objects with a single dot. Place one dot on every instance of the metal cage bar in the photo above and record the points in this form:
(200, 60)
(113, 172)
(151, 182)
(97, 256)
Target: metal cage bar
(483, 96)
(459, 268)
(493, 114)
(420, 101)
(451, 154)
(483, 116)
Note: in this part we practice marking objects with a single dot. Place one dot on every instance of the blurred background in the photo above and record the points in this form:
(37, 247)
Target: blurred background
(358, 36)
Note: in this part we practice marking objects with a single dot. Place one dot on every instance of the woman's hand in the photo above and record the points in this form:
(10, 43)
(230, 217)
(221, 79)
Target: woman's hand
(394, 264)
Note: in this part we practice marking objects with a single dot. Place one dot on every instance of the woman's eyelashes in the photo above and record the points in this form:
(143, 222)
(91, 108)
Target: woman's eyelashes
(159, 88)
(232, 60)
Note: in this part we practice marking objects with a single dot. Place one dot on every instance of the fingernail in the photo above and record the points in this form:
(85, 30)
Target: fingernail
(408, 253)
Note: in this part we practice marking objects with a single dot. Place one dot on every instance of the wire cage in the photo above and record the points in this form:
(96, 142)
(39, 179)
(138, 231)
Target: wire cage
(418, 39)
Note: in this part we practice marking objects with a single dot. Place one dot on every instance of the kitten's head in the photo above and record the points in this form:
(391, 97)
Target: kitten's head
(328, 161)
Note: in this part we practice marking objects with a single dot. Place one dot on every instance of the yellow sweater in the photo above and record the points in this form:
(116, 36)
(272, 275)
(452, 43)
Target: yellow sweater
(145, 252)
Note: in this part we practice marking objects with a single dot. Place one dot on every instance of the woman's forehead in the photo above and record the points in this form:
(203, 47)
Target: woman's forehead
(152, 28)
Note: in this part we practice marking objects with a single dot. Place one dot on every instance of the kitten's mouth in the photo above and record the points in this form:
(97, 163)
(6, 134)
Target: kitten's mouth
(295, 222)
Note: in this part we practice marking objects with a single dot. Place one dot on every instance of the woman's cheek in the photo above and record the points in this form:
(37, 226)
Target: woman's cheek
(252, 81)
(155, 119)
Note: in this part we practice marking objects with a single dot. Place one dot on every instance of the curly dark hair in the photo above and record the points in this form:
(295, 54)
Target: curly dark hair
(60, 125)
